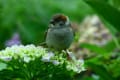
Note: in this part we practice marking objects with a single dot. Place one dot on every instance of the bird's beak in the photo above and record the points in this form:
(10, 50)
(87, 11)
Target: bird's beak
(51, 25)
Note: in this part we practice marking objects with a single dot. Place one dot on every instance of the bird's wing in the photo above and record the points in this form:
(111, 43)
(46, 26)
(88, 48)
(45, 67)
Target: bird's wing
(44, 43)
(72, 28)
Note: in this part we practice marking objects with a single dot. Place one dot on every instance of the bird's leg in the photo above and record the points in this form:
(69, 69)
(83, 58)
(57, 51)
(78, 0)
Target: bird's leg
(70, 55)
(67, 55)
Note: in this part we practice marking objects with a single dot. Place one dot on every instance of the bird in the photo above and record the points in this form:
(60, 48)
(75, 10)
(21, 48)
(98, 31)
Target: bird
(60, 34)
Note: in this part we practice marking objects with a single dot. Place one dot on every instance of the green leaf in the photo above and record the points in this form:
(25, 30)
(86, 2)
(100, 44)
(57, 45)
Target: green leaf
(109, 13)
(2, 66)
(94, 48)
(110, 46)
(116, 3)
(101, 71)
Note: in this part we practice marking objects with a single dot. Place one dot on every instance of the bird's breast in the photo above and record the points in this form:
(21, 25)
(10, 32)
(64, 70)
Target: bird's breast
(59, 38)
(62, 34)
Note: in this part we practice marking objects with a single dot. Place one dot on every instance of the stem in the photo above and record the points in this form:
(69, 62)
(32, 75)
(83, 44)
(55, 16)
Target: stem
(116, 42)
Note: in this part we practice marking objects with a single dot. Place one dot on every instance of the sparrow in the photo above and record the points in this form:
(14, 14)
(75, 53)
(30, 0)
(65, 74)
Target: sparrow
(60, 34)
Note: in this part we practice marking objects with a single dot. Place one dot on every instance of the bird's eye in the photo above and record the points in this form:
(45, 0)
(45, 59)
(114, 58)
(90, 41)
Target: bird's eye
(52, 22)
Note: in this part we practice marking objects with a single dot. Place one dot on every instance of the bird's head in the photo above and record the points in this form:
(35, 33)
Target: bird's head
(59, 20)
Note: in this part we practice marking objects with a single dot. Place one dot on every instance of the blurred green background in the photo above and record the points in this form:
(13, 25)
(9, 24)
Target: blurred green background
(30, 18)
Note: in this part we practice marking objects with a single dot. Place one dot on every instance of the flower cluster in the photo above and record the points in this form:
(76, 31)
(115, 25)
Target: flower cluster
(27, 53)
(31, 52)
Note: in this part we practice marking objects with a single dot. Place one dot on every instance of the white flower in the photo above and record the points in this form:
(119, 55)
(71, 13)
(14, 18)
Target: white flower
(6, 58)
(76, 66)
(27, 59)
(81, 61)
(55, 62)
(47, 57)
